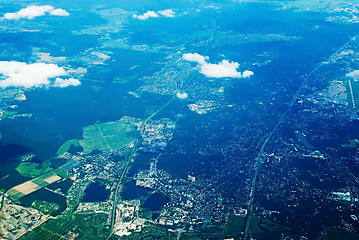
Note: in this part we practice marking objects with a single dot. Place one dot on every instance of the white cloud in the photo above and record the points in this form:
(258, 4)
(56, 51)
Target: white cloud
(220, 70)
(146, 15)
(152, 14)
(181, 95)
(354, 75)
(247, 73)
(167, 13)
(59, 12)
(20, 74)
(212, 7)
(195, 57)
(36, 11)
(59, 82)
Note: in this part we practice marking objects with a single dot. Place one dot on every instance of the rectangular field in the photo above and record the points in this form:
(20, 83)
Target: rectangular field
(33, 185)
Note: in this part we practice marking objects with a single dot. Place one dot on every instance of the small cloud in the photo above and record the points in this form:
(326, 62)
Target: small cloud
(195, 57)
(167, 13)
(61, 83)
(146, 15)
(152, 14)
(247, 73)
(220, 70)
(212, 7)
(181, 95)
(20, 74)
(354, 75)
(59, 12)
(35, 11)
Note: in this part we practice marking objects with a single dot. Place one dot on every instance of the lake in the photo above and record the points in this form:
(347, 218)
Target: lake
(155, 202)
(96, 193)
(132, 191)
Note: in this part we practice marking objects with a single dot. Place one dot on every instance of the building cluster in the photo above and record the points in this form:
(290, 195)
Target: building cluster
(156, 134)
(169, 79)
(308, 163)
(15, 220)
(127, 220)
(191, 202)
(94, 207)
(206, 106)
(85, 169)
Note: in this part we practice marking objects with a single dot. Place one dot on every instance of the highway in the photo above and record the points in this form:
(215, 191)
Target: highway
(129, 157)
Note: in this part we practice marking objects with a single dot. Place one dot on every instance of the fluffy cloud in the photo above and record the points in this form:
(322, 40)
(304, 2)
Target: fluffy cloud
(61, 83)
(220, 70)
(59, 12)
(152, 14)
(167, 13)
(20, 74)
(181, 95)
(247, 73)
(146, 15)
(354, 75)
(36, 11)
(195, 57)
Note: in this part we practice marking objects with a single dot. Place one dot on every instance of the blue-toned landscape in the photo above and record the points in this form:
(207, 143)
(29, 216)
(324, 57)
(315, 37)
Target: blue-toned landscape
(186, 119)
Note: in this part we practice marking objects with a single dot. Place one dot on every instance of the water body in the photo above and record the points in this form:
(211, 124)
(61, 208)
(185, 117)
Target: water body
(155, 216)
(132, 191)
(57, 162)
(136, 168)
(10, 157)
(155, 202)
(63, 185)
(144, 158)
(95, 193)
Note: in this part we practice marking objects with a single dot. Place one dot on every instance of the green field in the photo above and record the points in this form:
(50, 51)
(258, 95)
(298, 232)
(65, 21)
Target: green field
(235, 227)
(15, 194)
(152, 232)
(40, 180)
(45, 207)
(87, 226)
(31, 169)
(92, 226)
(260, 228)
(107, 136)
(67, 145)
(62, 173)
